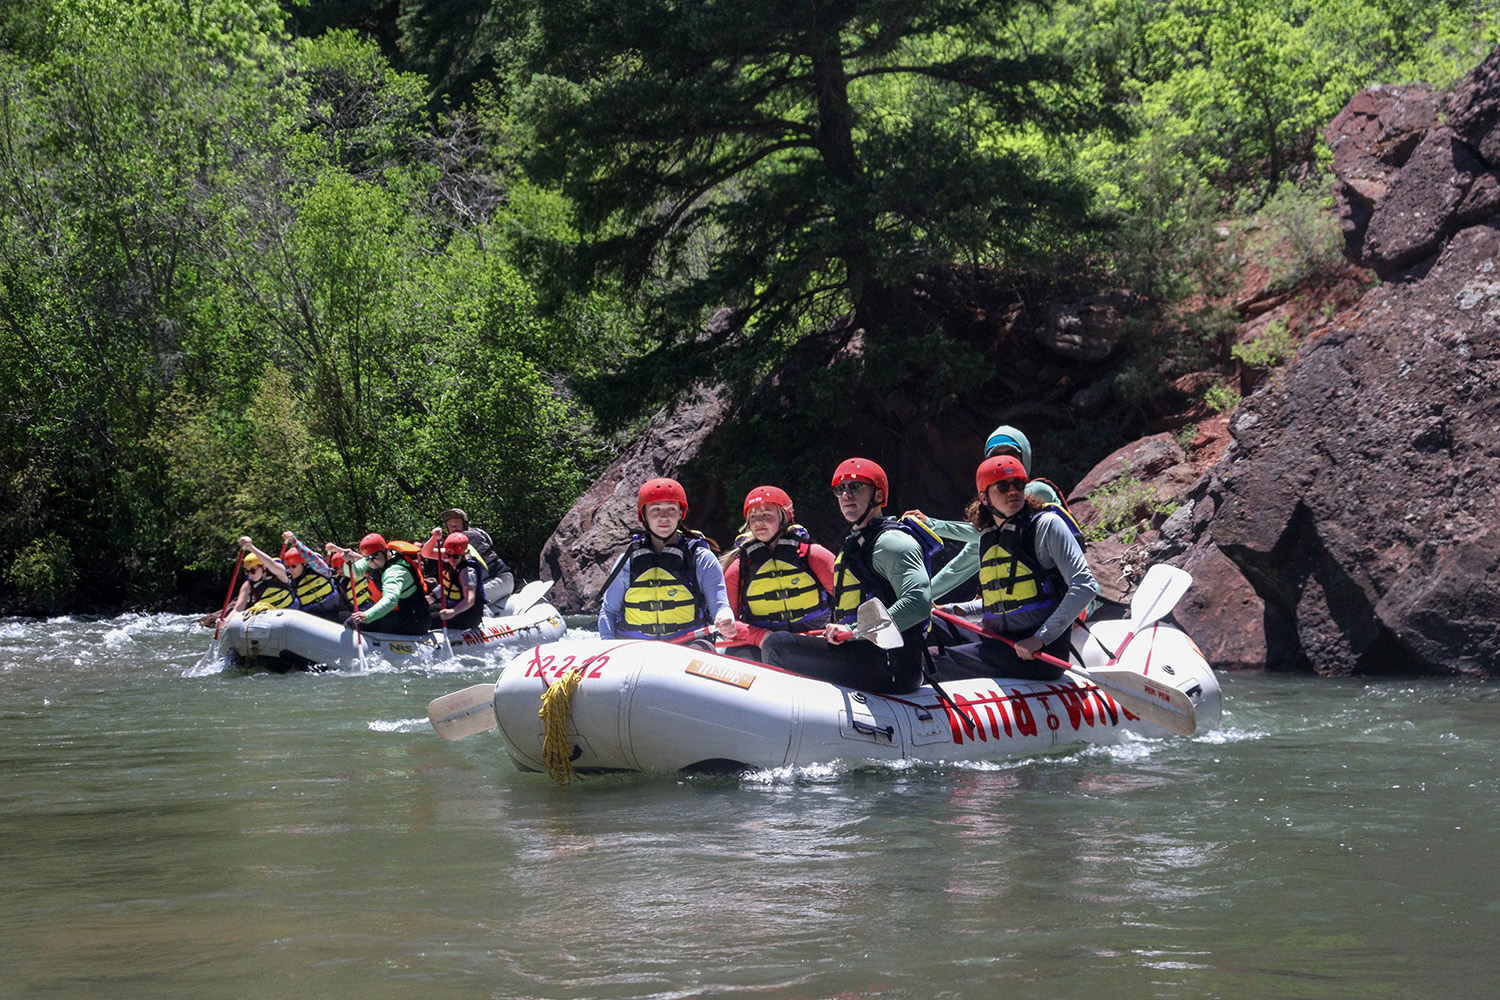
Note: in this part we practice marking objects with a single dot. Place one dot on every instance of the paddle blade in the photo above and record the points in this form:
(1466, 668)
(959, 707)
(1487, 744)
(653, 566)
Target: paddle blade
(1159, 592)
(529, 595)
(1159, 704)
(464, 713)
(873, 622)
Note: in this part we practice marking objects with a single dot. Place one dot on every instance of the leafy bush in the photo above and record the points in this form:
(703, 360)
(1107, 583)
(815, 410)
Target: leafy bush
(1221, 397)
(1273, 347)
(1121, 506)
(42, 575)
(1296, 233)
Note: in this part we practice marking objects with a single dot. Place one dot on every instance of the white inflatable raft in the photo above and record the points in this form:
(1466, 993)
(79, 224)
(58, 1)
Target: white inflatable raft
(286, 640)
(649, 706)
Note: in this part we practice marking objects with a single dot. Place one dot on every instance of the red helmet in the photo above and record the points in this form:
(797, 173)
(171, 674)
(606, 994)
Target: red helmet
(862, 470)
(372, 543)
(775, 496)
(660, 491)
(456, 544)
(336, 560)
(993, 470)
(293, 557)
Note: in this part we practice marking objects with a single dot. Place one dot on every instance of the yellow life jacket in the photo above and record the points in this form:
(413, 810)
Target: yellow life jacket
(777, 587)
(270, 592)
(1012, 581)
(453, 588)
(662, 599)
(313, 590)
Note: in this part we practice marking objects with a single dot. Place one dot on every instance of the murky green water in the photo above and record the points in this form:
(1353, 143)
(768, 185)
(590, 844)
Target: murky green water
(168, 830)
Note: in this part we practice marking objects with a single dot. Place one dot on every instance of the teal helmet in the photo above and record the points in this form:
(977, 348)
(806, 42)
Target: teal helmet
(1006, 434)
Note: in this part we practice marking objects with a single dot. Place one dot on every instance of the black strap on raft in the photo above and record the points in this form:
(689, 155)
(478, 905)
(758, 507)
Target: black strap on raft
(929, 670)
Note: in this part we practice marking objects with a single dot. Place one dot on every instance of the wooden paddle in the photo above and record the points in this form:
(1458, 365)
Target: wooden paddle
(1158, 704)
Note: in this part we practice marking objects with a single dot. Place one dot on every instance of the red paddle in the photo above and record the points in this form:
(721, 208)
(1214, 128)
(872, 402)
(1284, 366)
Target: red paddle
(232, 578)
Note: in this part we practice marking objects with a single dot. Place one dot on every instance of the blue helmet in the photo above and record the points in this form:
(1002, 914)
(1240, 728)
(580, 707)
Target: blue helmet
(1006, 434)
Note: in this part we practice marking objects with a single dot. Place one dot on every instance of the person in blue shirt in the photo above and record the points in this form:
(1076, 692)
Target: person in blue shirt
(668, 582)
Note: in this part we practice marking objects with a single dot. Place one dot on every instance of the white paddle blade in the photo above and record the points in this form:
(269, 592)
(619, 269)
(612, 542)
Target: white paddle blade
(529, 595)
(1159, 704)
(1160, 590)
(464, 713)
(873, 622)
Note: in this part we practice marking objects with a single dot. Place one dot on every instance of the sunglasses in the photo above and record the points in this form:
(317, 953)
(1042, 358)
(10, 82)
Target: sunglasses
(1010, 486)
(848, 489)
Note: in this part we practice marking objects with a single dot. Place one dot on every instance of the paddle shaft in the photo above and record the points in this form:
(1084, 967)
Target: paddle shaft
(443, 599)
(1160, 590)
(706, 632)
(1156, 703)
(233, 577)
(359, 633)
(948, 616)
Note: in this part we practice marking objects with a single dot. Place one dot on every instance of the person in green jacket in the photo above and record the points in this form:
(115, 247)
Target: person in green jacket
(402, 608)
(1003, 440)
(882, 558)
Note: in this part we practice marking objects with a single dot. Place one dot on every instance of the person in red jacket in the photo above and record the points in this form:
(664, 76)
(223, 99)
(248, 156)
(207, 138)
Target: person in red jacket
(779, 579)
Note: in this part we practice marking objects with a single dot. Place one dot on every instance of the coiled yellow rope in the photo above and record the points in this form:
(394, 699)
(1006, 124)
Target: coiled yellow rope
(557, 702)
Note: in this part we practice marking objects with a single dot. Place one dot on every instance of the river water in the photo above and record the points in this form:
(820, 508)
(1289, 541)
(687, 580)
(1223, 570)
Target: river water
(172, 829)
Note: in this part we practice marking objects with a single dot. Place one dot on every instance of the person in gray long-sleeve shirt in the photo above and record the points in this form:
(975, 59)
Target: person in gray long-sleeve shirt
(1034, 581)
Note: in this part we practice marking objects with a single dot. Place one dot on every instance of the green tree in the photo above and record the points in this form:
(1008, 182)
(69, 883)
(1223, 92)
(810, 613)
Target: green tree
(786, 161)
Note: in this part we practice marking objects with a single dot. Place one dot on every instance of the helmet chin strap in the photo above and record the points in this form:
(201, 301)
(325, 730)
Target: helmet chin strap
(1002, 518)
(860, 520)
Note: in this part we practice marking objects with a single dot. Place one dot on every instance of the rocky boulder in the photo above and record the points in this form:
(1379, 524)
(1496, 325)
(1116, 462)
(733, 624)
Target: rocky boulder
(1415, 167)
(583, 549)
(1168, 520)
(1359, 495)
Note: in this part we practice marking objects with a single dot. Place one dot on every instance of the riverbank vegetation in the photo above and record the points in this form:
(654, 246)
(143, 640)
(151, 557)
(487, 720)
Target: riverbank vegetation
(334, 266)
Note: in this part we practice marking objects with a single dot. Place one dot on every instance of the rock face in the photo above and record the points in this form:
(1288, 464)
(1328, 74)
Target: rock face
(1358, 497)
(1415, 167)
(1222, 611)
(583, 549)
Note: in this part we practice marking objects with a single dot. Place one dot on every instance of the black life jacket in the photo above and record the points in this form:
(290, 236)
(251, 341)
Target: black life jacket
(1012, 580)
(854, 576)
(410, 616)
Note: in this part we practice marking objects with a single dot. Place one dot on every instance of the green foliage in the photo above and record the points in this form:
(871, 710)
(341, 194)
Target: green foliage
(42, 575)
(1121, 505)
(788, 162)
(1270, 349)
(1221, 397)
(1241, 88)
(1296, 234)
(235, 277)
(1185, 437)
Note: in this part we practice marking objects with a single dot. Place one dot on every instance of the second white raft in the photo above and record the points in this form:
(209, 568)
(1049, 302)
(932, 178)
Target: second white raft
(286, 640)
